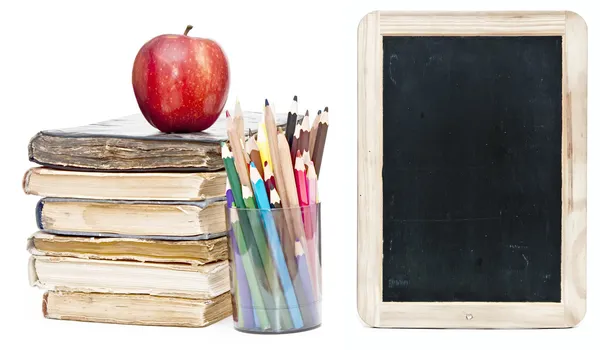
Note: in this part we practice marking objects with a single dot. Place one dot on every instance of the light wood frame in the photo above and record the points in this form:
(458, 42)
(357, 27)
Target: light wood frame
(571, 310)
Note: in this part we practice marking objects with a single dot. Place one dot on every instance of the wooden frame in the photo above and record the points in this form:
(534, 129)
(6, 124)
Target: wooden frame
(571, 310)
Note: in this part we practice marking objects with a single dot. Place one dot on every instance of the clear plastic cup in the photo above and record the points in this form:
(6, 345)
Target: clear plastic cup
(275, 269)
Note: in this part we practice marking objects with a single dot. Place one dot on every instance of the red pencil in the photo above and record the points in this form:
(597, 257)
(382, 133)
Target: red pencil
(300, 175)
(269, 178)
(307, 217)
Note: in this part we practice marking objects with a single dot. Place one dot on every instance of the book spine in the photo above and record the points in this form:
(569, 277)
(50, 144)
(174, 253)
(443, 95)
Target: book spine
(38, 213)
(26, 179)
(45, 304)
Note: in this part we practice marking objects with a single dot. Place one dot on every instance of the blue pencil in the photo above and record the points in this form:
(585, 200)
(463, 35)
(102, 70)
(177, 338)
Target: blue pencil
(262, 201)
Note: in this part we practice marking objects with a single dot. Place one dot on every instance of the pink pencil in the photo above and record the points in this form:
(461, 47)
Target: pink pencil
(313, 199)
(301, 187)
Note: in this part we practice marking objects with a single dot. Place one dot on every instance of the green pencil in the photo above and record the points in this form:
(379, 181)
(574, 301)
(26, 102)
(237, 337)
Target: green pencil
(246, 236)
(249, 267)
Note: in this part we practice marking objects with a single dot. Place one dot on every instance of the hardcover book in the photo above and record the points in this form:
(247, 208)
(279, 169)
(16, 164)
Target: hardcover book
(47, 182)
(129, 277)
(135, 309)
(131, 144)
(144, 219)
(193, 252)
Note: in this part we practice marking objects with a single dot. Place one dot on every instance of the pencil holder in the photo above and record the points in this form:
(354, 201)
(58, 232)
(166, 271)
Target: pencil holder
(275, 269)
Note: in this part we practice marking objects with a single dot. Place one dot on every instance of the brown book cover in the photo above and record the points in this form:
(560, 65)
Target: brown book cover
(192, 252)
(135, 309)
(131, 144)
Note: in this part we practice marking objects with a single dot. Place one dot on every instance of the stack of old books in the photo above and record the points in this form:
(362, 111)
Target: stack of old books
(132, 223)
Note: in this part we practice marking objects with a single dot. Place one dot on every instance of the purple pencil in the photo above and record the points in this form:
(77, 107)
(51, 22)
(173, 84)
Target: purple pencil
(244, 303)
(309, 298)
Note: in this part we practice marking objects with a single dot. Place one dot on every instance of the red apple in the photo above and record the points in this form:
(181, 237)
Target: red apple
(181, 82)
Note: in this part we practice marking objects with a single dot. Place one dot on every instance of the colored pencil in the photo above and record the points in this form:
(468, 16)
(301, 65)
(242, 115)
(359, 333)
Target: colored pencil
(275, 245)
(268, 176)
(303, 138)
(311, 177)
(289, 183)
(288, 243)
(272, 142)
(295, 137)
(253, 263)
(313, 133)
(254, 154)
(317, 155)
(303, 198)
(238, 118)
(263, 143)
(291, 120)
(304, 276)
(259, 234)
(232, 123)
(284, 176)
(250, 269)
(300, 176)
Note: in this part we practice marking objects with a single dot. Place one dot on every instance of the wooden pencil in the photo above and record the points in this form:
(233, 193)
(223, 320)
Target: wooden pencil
(254, 154)
(244, 307)
(259, 234)
(275, 247)
(303, 198)
(288, 243)
(314, 239)
(268, 176)
(295, 137)
(284, 177)
(251, 269)
(313, 133)
(291, 120)
(263, 142)
(238, 118)
(244, 238)
(304, 276)
(303, 138)
(288, 182)
(231, 123)
(311, 177)
(272, 141)
(317, 155)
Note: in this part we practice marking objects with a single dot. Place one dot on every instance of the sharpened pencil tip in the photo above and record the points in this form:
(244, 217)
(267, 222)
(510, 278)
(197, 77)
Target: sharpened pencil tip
(252, 165)
(327, 109)
(319, 112)
(306, 114)
(266, 102)
(295, 98)
(227, 114)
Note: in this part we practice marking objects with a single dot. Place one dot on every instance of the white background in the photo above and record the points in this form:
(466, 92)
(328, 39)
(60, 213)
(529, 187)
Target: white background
(69, 63)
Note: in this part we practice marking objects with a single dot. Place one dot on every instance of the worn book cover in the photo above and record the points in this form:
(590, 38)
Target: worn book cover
(187, 186)
(131, 144)
(129, 277)
(144, 219)
(135, 309)
(192, 252)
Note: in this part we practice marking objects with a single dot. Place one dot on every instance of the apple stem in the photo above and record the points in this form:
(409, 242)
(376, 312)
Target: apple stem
(187, 29)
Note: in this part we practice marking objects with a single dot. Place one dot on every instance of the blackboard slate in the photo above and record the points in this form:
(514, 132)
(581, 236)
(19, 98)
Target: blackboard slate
(472, 169)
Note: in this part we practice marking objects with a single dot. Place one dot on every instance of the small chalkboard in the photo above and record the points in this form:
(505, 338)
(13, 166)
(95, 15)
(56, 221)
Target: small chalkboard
(472, 169)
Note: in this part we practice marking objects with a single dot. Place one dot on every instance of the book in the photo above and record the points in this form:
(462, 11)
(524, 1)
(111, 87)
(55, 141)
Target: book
(129, 277)
(47, 182)
(135, 309)
(131, 144)
(194, 252)
(158, 219)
